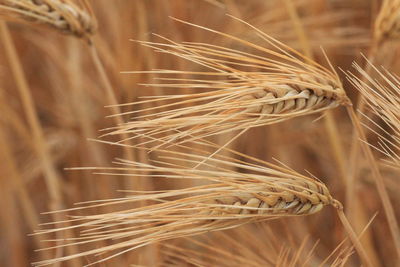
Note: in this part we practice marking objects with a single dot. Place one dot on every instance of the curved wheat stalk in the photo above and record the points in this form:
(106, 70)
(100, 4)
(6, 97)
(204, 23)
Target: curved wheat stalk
(239, 90)
(260, 192)
(63, 15)
(387, 23)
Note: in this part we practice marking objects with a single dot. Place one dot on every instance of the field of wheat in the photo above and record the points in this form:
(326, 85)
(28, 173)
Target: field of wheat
(199, 133)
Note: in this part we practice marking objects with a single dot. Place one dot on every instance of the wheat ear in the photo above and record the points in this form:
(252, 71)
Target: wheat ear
(240, 90)
(387, 23)
(264, 192)
(63, 15)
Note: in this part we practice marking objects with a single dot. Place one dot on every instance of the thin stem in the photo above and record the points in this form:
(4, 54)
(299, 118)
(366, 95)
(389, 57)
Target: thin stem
(52, 177)
(354, 239)
(387, 205)
(137, 184)
(110, 94)
(299, 28)
(13, 175)
(355, 148)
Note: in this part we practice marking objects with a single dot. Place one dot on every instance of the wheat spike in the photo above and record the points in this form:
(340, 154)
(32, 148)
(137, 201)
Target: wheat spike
(387, 23)
(240, 90)
(63, 15)
(261, 192)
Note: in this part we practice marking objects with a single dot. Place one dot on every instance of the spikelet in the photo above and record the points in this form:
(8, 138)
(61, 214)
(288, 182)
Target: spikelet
(240, 90)
(262, 192)
(383, 98)
(63, 15)
(387, 23)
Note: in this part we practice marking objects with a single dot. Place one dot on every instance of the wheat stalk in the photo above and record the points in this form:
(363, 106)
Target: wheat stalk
(261, 192)
(382, 98)
(241, 90)
(63, 15)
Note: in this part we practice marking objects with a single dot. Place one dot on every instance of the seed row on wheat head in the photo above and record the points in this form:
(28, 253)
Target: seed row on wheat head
(237, 90)
(284, 197)
(231, 199)
(63, 15)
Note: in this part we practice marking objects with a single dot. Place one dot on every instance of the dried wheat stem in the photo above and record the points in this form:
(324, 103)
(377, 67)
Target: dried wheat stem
(10, 172)
(52, 177)
(379, 182)
(299, 28)
(63, 15)
(356, 242)
(384, 29)
(112, 99)
(241, 90)
(382, 97)
(232, 199)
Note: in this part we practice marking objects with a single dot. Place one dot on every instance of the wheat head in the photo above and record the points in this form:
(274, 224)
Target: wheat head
(63, 15)
(260, 192)
(387, 23)
(240, 90)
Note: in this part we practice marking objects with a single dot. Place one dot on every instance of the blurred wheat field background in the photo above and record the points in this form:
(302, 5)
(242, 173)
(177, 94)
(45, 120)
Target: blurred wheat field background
(199, 183)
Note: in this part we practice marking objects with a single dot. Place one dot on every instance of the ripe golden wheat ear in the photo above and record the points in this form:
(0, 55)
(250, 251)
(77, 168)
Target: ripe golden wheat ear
(240, 90)
(261, 192)
(63, 15)
(383, 98)
(387, 23)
